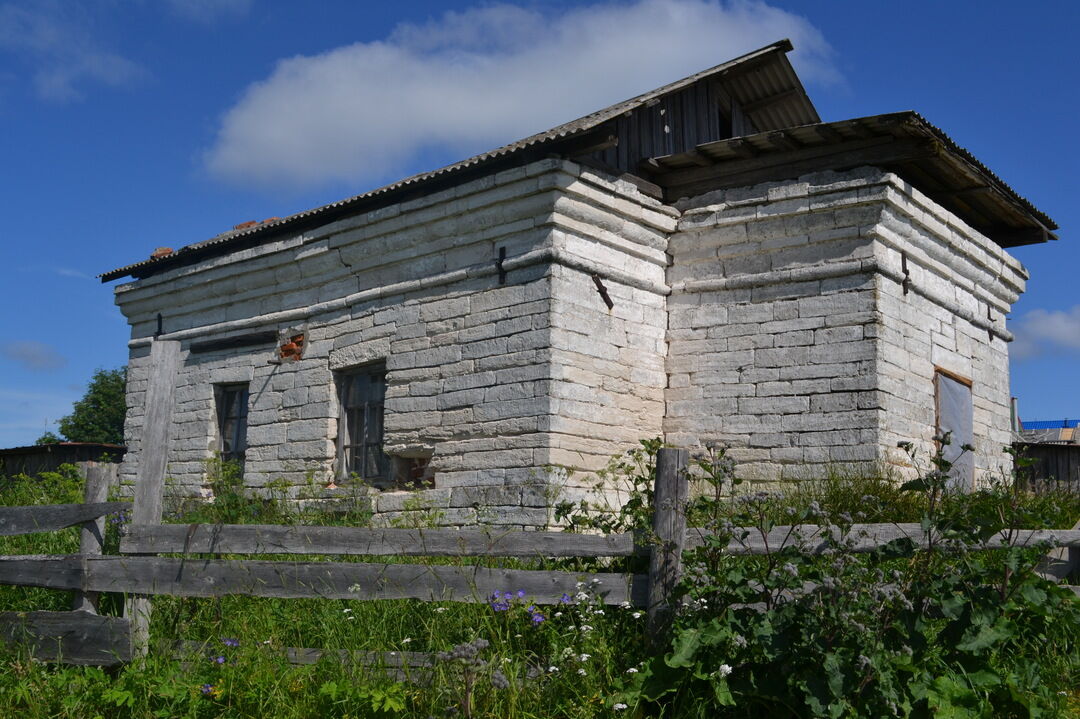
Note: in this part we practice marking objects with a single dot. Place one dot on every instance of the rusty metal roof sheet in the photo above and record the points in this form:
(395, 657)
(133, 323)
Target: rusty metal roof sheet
(763, 76)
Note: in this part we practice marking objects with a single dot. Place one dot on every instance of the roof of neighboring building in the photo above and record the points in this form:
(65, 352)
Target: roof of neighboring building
(1051, 424)
(763, 81)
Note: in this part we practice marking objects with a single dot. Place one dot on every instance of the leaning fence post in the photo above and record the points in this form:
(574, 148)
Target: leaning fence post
(669, 523)
(150, 477)
(92, 536)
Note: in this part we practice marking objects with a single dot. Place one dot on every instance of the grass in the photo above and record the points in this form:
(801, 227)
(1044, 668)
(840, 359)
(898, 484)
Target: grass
(572, 664)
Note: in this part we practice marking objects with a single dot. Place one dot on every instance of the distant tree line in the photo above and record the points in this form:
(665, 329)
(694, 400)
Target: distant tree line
(99, 416)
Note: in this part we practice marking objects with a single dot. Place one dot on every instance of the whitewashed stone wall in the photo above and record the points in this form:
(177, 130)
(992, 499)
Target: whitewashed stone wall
(961, 286)
(473, 377)
(792, 340)
(772, 319)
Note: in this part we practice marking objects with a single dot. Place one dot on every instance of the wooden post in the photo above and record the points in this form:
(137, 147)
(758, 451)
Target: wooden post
(153, 457)
(670, 497)
(92, 537)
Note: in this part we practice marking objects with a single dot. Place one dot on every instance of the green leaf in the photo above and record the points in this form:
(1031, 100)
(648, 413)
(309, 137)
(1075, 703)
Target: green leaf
(722, 693)
(985, 636)
(952, 607)
(686, 645)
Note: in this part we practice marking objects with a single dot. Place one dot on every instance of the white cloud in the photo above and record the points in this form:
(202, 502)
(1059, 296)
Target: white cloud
(472, 80)
(56, 41)
(1046, 332)
(208, 11)
(33, 355)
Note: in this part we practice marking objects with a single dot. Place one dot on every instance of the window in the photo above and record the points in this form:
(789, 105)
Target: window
(360, 434)
(232, 413)
(955, 415)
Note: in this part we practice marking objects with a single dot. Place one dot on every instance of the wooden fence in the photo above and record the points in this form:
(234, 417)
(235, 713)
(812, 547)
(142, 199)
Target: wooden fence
(82, 636)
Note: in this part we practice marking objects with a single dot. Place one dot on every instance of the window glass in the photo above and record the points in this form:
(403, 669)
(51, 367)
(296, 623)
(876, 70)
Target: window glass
(361, 433)
(955, 415)
(232, 412)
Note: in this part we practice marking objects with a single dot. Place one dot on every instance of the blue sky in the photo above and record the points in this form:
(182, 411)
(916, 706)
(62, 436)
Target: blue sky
(133, 124)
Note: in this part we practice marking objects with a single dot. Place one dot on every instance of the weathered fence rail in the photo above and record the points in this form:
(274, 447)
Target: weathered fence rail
(15, 521)
(192, 577)
(360, 541)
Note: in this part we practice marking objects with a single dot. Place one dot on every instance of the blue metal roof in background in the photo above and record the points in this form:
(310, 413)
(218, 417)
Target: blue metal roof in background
(1050, 424)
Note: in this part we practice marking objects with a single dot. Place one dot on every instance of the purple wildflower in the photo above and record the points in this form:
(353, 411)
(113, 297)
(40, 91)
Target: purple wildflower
(537, 618)
(230, 642)
(219, 659)
(521, 594)
(207, 688)
(565, 598)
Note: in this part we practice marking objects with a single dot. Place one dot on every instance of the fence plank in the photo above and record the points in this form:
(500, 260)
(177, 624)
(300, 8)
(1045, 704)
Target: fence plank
(1061, 562)
(293, 580)
(152, 458)
(868, 537)
(672, 491)
(69, 637)
(52, 517)
(92, 537)
(278, 539)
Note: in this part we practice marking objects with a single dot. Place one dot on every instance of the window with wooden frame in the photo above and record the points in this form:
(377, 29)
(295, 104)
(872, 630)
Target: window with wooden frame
(955, 415)
(360, 432)
(232, 414)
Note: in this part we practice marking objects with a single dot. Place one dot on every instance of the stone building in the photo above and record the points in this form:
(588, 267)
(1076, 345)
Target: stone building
(707, 262)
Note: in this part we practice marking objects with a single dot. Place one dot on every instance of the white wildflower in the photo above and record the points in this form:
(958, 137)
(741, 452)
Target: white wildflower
(584, 657)
(406, 640)
(346, 611)
(636, 615)
(581, 596)
(724, 670)
(552, 669)
(624, 605)
(582, 672)
(440, 610)
(558, 614)
(619, 707)
(632, 670)
(586, 628)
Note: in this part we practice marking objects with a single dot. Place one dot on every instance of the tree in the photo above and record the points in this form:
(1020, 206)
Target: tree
(99, 416)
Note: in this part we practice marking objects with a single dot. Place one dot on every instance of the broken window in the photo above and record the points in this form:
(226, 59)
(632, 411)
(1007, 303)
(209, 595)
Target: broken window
(955, 416)
(360, 435)
(232, 412)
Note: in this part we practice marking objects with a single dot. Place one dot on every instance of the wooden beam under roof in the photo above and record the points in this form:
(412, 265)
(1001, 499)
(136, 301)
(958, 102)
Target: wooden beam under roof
(791, 163)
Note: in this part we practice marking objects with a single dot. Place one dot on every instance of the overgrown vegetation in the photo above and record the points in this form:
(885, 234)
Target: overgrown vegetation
(950, 632)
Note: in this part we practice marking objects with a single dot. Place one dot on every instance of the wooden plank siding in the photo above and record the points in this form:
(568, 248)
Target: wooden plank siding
(697, 114)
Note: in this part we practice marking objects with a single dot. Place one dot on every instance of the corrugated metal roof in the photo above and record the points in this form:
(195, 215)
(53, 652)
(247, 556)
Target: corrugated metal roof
(769, 75)
(1051, 424)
